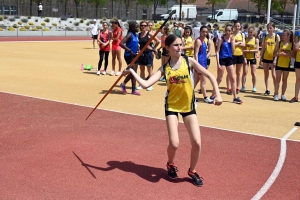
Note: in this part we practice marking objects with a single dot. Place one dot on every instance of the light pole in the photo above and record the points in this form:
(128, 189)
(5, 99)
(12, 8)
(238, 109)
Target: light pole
(269, 11)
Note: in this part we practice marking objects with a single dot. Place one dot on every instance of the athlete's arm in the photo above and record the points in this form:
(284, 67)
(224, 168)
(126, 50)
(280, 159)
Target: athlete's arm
(263, 46)
(275, 53)
(210, 44)
(220, 40)
(194, 64)
(157, 42)
(197, 45)
(243, 43)
(145, 83)
(123, 42)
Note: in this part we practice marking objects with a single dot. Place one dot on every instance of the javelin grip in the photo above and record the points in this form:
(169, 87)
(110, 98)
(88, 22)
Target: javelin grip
(134, 60)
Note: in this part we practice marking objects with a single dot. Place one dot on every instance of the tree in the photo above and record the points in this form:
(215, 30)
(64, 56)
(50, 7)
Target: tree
(127, 4)
(158, 2)
(259, 4)
(77, 2)
(214, 3)
(30, 4)
(281, 4)
(98, 3)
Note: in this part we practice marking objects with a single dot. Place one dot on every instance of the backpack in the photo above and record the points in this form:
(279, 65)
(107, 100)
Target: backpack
(178, 32)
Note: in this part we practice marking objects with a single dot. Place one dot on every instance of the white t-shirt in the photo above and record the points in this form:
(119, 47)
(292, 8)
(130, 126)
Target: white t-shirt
(40, 7)
(94, 29)
(196, 32)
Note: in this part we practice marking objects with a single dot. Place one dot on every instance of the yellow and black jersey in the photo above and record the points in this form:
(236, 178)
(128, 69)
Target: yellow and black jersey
(250, 45)
(284, 61)
(180, 88)
(238, 50)
(270, 44)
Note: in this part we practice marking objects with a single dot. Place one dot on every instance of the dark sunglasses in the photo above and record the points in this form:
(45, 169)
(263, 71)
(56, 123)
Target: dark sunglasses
(143, 25)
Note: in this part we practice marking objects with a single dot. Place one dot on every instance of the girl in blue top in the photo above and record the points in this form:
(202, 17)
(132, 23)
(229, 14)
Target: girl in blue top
(131, 44)
(225, 50)
(201, 47)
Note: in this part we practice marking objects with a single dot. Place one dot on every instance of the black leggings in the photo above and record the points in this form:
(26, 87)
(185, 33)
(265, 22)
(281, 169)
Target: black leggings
(101, 54)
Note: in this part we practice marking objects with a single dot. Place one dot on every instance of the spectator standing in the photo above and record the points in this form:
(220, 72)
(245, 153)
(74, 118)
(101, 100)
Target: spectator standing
(104, 38)
(196, 31)
(40, 10)
(94, 31)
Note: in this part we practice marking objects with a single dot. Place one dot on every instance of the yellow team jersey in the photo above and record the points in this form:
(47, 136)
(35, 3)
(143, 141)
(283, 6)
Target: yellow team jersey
(250, 45)
(238, 50)
(188, 42)
(270, 44)
(298, 56)
(283, 61)
(180, 88)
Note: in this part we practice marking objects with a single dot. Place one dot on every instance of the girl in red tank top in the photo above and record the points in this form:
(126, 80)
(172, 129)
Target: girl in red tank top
(116, 49)
(104, 47)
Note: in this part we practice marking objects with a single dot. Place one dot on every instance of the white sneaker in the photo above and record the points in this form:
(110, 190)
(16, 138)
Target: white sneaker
(275, 97)
(112, 73)
(118, 73)
(98, 72)
(104, 72)
(208, 100)
(283, 98)
(139, 87)
(150, 88)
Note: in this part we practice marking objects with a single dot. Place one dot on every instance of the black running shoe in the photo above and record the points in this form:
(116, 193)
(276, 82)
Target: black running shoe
(197, 180)
(267, 92)
(229, 92)
(172, 171)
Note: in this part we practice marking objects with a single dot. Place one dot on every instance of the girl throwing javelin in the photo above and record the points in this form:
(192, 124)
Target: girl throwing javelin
(180, 99)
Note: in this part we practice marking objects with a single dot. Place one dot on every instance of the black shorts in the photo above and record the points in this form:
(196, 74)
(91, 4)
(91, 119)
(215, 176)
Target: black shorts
(165, 52)
(267, 61)
(95, 37)
(284, 69)
(251, 62)
(146, 59)
(215, 39)
(128, 59)
(226, 62)
(237, 60)
(297, 65)
(167, 113)
(208, 61)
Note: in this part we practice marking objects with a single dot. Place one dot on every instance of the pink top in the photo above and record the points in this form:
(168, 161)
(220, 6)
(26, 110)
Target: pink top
(115, 44)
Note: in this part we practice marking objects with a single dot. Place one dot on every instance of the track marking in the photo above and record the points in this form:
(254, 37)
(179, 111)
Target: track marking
(212, 127)
(277, 168)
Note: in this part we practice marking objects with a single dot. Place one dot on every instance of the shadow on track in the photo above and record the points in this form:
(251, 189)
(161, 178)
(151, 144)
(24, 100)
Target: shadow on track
(148, 173)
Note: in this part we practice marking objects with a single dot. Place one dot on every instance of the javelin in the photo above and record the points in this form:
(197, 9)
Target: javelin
(134, 60)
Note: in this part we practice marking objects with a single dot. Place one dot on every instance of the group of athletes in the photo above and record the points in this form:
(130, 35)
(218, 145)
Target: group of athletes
(185, 57)
(234, 49)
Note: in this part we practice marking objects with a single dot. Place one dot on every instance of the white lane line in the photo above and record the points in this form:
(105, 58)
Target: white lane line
(278, 167)
(150, 117)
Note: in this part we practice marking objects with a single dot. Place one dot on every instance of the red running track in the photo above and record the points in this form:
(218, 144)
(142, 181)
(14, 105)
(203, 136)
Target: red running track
(44, 143)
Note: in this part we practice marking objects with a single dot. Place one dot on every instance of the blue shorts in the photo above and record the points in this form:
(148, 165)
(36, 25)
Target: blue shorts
(146, 59)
